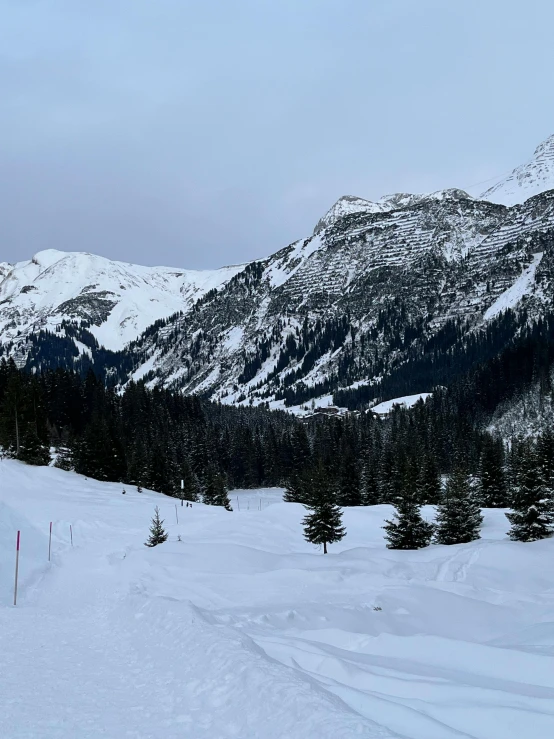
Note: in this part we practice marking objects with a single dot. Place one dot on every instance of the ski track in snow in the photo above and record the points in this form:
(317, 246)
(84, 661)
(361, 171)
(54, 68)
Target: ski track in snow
(242, 629)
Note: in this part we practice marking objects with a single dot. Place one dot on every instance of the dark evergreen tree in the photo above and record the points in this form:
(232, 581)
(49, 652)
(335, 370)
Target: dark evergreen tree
(369, 485)
(294, 490)
(532, 514)
(492, 486)
(323, 525)
(32, 450)
(157, 532)
(349, 491)
(429, 482)
(64, 458)
(215, 490)
(459, 517)
(408, 530)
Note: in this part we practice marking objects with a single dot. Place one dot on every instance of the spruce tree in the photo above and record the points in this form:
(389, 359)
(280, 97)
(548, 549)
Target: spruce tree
(294, 490)
(459, 517)
(324, 524)
(429, 482)
(493, 490)
(64, 458)
(532, 514)
(369, 485)
(408, 530)
(215, 490)
(349, 493)
(32, 450)
(157, 532)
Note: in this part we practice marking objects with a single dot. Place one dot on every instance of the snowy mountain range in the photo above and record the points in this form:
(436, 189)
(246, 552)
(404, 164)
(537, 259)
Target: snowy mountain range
(118, 300)
(374, 289)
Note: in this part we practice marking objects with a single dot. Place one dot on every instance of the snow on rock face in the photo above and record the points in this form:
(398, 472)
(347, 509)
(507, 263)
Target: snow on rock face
(524, 285)
(121, 300)
(348, 204)
(529, 179)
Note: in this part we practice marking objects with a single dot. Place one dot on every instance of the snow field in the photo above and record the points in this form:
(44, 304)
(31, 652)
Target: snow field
(243, 629)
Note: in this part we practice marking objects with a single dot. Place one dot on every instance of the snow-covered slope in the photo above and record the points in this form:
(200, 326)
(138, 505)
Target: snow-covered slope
(244, 630)
(529, 179)
(120, 300)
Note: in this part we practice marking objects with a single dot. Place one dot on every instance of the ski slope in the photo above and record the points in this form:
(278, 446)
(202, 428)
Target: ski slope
(242, 629)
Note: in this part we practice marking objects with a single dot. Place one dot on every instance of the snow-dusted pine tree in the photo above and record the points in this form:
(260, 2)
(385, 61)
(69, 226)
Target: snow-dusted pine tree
(459, 517)
(532, 514)
(294, 491)
(324, 524)
(408, 530)
(157, 532)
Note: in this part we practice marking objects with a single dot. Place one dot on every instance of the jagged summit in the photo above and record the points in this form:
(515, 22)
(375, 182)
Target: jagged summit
(348, 204)
(527, 180)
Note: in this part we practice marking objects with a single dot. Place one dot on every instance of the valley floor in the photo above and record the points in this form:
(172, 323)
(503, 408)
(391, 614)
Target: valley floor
(242, 629)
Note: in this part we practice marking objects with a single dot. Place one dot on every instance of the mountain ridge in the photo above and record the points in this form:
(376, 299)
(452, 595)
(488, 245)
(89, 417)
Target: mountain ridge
(373, 288)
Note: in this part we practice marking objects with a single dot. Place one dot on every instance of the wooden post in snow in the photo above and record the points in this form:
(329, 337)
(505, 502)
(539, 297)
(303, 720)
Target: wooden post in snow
(50, 543)
(176, 514)
(16, 569)
(71, 533)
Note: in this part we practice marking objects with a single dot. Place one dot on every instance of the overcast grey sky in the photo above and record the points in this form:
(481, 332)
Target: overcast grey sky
(208, 132)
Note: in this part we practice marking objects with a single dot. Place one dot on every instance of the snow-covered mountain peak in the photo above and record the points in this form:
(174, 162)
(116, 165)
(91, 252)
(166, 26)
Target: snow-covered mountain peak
(348, 204)
(529, 179)
(120, 300)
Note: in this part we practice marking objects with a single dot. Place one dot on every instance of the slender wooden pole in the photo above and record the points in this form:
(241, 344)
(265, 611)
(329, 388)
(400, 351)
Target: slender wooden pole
(50, 543)
(71, 532)
(176, 514)
(16, 569)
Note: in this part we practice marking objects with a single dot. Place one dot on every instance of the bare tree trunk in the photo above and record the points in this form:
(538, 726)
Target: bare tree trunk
(324, 547)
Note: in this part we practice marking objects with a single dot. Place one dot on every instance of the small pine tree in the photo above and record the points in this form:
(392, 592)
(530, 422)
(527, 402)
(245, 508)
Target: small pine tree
(324, 524)
(157, 532)
(459, 517)
(532, 515)
(64, 459)
(215, 490)
(408, 530)
(32, 450)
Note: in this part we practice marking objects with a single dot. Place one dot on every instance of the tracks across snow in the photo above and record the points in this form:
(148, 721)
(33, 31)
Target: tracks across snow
(242, 629)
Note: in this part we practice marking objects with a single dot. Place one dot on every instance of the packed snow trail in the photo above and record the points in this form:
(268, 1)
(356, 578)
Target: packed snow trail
(242, 629)
(90, 652)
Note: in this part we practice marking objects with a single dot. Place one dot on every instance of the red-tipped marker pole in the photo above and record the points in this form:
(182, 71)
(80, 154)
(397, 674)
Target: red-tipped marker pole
(16, 568)
(50, 542)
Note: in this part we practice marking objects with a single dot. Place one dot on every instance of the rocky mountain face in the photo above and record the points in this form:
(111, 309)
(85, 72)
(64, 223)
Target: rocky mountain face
(382, 299)
(360, 297)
